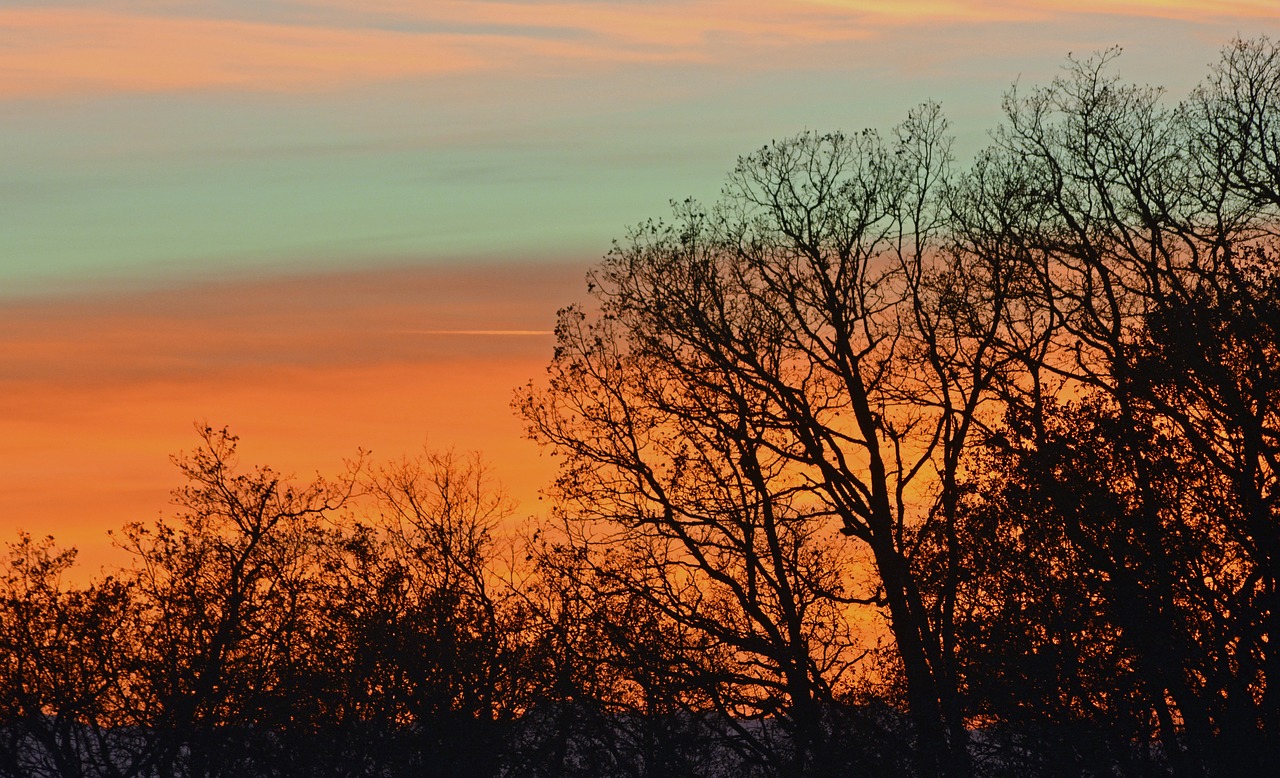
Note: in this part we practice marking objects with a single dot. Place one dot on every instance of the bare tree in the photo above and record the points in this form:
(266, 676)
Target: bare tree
(64, 669)
(427, 627)
(811, 354)
(1150, 232)
(225, 592)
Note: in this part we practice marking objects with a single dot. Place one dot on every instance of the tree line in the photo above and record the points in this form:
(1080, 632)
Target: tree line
(877, 465)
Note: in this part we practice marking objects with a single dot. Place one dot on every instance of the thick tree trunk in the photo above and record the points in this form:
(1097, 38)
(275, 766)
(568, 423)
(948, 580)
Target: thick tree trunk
(938, 752)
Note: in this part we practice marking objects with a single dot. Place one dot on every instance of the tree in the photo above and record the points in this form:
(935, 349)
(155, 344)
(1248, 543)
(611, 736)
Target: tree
(811, 354)
(627, 689)
(225, 594)
(1071, 558)
(828, 344)
(1149, 232)
(421, 642)
(64, 668)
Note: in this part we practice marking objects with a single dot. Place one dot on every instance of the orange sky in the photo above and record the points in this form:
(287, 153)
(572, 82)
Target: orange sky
(99, 391)
(267, 164)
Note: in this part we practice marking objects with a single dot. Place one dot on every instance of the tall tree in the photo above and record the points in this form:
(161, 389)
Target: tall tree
(1150, 233)
(813, 353)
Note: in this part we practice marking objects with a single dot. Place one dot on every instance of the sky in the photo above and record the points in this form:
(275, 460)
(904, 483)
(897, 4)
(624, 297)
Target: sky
(345, 224)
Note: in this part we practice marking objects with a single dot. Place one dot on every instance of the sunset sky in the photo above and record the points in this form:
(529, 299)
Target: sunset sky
(342, 224)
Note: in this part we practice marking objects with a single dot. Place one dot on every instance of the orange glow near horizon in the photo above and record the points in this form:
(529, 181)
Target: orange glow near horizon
(101, 392)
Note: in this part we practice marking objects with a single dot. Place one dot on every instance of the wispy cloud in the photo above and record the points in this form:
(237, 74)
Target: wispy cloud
(99, 389)
(91, 50)
(935, 11)
(322, 44)
(498, 333)
(86, 51)
(290, 321)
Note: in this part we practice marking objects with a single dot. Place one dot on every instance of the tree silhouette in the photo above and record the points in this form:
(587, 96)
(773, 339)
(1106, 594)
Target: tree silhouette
(425, 657)
(1148, 424)
(64, 663)
(808, 355)
(224, 594)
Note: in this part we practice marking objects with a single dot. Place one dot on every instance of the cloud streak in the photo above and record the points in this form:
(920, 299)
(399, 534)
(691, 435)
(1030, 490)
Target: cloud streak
(61, 51)
(495, 333)
(100, 389)
(350, 318)
(328, 44)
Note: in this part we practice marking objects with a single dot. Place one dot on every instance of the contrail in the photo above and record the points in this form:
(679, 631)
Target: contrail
(476, 332)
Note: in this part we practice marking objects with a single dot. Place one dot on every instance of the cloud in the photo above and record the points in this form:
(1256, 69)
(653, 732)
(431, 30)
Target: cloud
(495, 333)
(934, 11)
(291, 321)
(100, 389)
(327, 44)
(88, 51)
